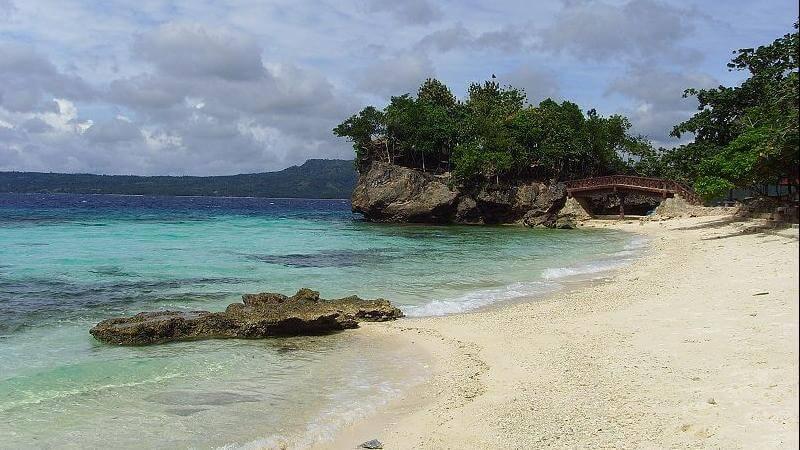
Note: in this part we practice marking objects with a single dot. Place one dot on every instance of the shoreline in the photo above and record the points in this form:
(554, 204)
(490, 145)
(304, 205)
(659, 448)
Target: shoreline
(673, 350)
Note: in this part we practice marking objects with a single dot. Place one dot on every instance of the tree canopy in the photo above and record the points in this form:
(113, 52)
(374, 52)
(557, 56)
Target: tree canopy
(493, 133)
(744, 136)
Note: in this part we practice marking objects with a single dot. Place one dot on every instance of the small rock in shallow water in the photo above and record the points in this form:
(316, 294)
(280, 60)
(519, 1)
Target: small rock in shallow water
(374, 443)
(711, 401)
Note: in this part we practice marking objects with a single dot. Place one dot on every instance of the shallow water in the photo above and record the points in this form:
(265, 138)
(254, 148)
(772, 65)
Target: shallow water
(68, 261)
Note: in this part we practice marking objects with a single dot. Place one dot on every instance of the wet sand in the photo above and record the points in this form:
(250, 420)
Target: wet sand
(695, 345)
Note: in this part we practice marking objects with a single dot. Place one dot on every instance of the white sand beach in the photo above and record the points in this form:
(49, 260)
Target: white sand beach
(695, 345)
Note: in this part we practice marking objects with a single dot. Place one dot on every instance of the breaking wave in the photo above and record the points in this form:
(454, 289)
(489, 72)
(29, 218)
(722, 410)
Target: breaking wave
(550, 282)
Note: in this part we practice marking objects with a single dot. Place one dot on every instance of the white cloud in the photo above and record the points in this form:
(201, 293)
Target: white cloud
(657, 99)
(396, 75)
(510, 38)
(634, 30)
(29, 80)
(414, 12)
(228, 86)
(191, 50)
(63, 119)
(538, 84)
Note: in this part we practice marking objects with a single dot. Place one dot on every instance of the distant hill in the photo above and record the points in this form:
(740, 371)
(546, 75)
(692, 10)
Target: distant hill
(316, 178)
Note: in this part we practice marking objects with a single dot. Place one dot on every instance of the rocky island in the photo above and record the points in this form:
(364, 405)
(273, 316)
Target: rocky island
(258, 316)
(393, 193)
(488, 159)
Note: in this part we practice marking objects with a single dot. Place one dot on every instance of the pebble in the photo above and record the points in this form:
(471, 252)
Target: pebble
(374, 443)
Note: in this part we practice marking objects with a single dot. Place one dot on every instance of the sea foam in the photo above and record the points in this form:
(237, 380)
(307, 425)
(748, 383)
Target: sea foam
(551, 281)
(477, 299)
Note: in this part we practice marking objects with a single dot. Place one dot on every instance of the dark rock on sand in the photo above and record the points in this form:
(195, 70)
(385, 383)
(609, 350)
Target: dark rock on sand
(258, 316)
(373, 443)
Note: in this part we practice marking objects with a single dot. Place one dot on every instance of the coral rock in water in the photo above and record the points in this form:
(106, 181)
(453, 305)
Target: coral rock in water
(258, 316)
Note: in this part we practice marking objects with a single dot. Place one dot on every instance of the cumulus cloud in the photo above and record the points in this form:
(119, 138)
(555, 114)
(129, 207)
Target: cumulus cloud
(459, 37)
(658, 102)
(146, 91)
(113, 131)
(637, 29)
(398, 75)
(43, 140)
(207, 104)
(64, 117)
(185, 50)
(223, 87)
(538, 84)
(414, 12)
(29, 81)
(35, 125)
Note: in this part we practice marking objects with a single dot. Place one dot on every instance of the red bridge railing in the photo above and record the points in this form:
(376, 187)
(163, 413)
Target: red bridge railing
(634, 183)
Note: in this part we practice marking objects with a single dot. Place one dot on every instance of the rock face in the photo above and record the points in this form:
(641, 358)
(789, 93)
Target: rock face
(392, 193)
(258, 316)
(677, 206)
(571, 214)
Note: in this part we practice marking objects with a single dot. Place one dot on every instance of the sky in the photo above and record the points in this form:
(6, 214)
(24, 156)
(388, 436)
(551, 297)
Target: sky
(158, 87)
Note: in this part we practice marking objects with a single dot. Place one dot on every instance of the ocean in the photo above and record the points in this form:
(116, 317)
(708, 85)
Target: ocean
(68, 261)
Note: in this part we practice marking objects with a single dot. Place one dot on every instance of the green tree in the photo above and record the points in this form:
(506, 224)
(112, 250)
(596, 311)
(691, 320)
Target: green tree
(485, 127)
(747, 136)
(491, 135)
(434, 92)
(362, 128)
(440, 115)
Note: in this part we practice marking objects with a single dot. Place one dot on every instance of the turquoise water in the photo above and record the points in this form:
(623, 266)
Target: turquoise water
(68, 261)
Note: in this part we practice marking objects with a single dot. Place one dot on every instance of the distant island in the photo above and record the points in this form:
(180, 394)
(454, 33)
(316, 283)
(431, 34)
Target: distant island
(316, 178)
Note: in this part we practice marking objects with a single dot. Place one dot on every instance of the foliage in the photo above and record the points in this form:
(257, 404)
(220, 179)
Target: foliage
(362, 128)
(745, 135)
(316, 178)
(493, 133)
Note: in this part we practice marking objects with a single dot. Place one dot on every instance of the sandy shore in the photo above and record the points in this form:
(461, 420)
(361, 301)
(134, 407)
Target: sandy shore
(694, 345)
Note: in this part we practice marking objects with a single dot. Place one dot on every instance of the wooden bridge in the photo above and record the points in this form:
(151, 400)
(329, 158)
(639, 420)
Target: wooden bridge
(624, 184)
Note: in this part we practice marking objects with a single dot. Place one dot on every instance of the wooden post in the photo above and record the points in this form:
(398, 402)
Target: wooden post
(621, 197)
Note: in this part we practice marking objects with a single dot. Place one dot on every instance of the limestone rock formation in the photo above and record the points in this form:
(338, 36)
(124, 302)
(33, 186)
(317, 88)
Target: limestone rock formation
(390, 193)
(393, 193)
(572, 214)
(258, 316)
